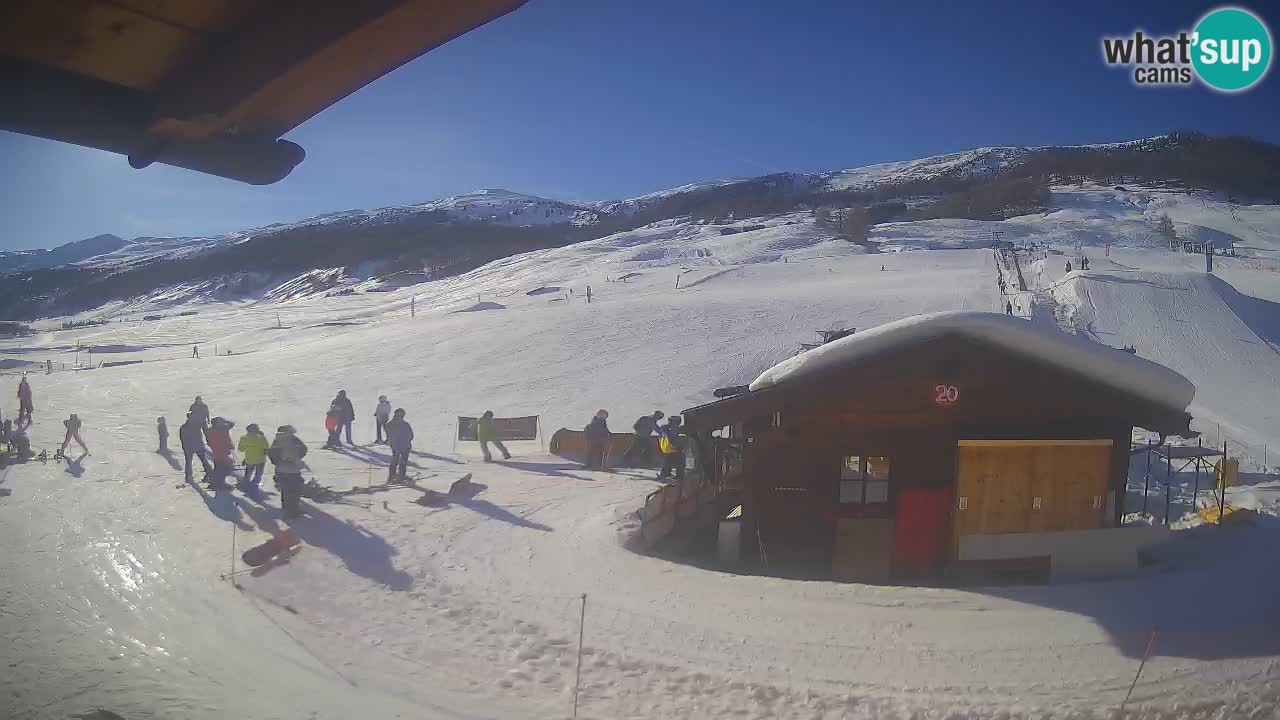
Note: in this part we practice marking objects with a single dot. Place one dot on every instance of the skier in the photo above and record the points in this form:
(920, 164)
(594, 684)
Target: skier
(195, 351)
(331, 425)
(598, 436)
(73, 433)
(191, 437)
(25, 408)
(641, 448)
(253, 444)
(200, 412)
(346, 413)
(380, 417)
(20, 443)
(1008, 308)
(400, 438)
(671, 443)
(487, 432)
(1068, 266)
(286, 455)
(219, 436)
(162, 429)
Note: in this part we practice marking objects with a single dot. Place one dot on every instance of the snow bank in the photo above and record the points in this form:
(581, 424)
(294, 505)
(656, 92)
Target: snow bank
(1110, 367)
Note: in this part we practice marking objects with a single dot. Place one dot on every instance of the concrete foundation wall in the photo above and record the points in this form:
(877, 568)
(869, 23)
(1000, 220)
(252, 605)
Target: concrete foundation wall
(1073, 554)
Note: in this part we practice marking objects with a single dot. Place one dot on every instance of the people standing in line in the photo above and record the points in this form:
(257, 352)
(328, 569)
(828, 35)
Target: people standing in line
(162, 430)
(598, 437)
(400, 438)
(380, 417)
(219, 436)
(331, 425)
(253, 446)
(73, 433)
(286, 455)
(346, 413)
(671, 443)
(641, 448)
(25, 406)
(200, 412)
(191, 437)
(487, 432)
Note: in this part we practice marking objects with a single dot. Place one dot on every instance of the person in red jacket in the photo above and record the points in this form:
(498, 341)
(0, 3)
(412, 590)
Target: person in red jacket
(219, 438)
(331, 424)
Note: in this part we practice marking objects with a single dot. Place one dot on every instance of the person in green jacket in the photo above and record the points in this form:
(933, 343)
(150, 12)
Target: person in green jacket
(254, 446)
(487, 432)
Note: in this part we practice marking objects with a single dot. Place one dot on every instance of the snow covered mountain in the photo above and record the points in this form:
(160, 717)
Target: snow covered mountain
(502, 207)
(70, 253)
(970, 163)
(457, 233)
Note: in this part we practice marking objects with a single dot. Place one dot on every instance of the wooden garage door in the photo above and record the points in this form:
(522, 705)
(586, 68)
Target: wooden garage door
(999, 481)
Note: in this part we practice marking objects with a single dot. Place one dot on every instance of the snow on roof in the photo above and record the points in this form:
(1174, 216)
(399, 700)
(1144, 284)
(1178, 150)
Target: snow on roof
(1108, 366)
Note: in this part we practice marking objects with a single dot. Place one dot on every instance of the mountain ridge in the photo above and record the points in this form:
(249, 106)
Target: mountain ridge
(451, 235)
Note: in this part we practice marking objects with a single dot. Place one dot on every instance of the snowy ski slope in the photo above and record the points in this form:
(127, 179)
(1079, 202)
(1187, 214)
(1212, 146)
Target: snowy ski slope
(112, 596)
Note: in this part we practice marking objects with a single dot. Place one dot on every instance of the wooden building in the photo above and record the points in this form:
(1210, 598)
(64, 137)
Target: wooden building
(933, 442)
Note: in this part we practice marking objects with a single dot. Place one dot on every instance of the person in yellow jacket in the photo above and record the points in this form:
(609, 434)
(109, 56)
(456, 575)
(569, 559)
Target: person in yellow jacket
(671, 443)
(253, 444)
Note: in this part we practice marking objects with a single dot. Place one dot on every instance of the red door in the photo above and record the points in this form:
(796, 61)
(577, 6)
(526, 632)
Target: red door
(920, 530)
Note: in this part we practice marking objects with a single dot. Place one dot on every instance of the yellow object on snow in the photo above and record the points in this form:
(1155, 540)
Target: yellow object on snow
(1228, 472)
(1231, 515)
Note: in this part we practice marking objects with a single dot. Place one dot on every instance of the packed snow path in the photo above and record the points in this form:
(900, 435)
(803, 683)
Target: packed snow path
(113, 598)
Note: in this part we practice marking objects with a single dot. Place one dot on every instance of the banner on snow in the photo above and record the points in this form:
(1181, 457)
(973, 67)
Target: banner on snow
(516, 428)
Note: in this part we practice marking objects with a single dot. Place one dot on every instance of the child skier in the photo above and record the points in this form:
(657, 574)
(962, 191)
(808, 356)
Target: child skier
(162, 430)
(254, 446)
(331, 424)
(380, 417)
(219, 436)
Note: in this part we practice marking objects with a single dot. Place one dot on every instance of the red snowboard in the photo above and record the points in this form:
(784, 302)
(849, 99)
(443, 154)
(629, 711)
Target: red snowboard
(282, 543)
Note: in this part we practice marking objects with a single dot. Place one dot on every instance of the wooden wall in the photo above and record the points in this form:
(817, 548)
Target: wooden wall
(888, 407)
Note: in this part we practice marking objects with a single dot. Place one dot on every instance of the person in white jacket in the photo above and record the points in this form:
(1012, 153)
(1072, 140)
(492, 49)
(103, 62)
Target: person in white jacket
(380, 416)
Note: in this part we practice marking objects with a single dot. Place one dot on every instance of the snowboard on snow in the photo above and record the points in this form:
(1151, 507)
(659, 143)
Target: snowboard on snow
(261, 554)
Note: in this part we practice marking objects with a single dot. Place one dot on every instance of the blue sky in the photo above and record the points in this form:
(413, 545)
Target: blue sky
(592, 99)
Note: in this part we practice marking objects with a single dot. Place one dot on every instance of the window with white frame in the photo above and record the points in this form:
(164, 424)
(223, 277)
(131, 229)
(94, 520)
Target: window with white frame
(864, 480)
